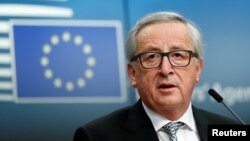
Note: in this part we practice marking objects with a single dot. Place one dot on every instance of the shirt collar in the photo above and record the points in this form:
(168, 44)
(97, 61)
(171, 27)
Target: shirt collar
(158, 120)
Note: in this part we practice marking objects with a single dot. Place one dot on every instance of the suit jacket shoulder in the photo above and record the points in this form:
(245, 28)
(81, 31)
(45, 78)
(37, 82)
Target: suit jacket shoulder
(128, 124)
(204, 118)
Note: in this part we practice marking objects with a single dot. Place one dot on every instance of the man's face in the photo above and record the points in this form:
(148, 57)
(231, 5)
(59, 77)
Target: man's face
(166, 87)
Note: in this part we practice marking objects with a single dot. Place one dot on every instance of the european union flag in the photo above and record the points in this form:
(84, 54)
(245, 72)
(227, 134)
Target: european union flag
(68, 61)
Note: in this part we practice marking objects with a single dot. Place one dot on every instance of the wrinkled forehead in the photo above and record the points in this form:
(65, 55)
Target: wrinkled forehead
(161, 34)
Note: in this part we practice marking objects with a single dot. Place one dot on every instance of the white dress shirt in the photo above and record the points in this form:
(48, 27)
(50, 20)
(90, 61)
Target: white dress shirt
(188, 132)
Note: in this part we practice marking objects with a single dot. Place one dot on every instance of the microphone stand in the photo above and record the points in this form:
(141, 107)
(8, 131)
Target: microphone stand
(242, 122)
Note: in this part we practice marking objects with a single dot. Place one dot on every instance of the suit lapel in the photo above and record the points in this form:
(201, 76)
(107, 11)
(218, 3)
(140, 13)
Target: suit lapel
(201, 124)
(139, 125)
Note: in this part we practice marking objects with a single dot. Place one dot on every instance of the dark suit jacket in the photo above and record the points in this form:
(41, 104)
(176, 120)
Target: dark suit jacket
(133, 124)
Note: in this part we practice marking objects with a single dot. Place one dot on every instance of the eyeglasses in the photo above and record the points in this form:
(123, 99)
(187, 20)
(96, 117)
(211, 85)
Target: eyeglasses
(177, 58)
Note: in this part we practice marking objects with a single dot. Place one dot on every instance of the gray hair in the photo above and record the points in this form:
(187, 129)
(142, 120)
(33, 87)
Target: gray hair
(160, 17)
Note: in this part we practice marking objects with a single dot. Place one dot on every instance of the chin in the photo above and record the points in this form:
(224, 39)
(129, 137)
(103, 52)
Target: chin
(168, 101)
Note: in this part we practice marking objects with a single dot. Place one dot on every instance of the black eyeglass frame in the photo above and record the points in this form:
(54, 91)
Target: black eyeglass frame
(191, 54)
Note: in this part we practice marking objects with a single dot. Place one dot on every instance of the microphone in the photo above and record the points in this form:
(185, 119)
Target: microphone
(219, 99)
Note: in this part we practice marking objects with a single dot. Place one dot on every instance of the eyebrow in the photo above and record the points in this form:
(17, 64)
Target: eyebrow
(156, 49)
(177, 48)
(151, 49)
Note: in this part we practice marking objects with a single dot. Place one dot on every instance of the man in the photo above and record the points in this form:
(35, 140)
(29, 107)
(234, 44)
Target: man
(165, 62)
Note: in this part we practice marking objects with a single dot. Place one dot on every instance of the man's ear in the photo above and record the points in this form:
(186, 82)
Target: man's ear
(199, 69)
(131, 74)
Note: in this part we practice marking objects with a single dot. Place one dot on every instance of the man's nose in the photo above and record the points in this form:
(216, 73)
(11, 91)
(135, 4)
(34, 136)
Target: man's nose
(166, 66)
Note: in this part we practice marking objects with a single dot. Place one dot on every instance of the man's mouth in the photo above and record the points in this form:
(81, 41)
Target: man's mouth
(166, 86)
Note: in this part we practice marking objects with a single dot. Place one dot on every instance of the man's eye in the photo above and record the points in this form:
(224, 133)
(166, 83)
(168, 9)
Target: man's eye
(152, 56)
(178, 55)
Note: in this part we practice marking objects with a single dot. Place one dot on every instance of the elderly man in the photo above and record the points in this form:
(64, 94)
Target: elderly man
(165, 61)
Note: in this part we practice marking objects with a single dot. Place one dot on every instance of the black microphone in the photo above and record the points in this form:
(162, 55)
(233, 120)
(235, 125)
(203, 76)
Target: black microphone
(219, 99)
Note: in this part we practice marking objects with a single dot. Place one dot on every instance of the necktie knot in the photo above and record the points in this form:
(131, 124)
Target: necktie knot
(171, 128)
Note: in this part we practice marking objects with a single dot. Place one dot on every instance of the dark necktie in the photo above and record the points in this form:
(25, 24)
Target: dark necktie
(171, 129)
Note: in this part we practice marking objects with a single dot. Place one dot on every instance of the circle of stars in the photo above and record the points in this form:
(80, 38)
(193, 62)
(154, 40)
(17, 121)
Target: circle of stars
(49, 73)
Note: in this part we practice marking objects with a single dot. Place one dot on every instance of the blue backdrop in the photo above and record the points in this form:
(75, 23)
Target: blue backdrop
(224, 24)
